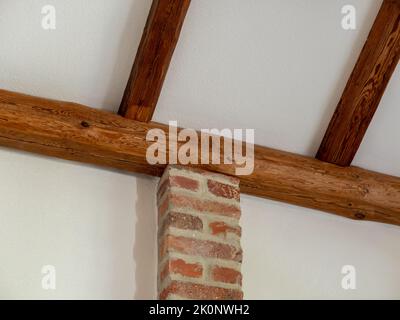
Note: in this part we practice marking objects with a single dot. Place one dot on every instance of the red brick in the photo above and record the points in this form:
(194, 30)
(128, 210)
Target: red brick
(162, 189)
(233, 180)
(179, 182)
(181, 221)
(202, 248)
(163, 207)
(226, 275)
(179, 266)
(184, 183)
(223, 190)
(212, 175)
(203, 205)
(221, 228)
(200, 292)
(188, 211)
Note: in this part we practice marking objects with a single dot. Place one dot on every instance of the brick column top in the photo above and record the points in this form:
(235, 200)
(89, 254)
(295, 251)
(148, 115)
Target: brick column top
(199, 235)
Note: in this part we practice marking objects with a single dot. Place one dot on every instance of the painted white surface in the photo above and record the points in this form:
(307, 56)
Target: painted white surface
(96, 227)
(295, 253)
(250, 64)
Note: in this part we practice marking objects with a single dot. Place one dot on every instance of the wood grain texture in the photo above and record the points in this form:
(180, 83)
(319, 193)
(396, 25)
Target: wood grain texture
(75, 132)
(153, 58)
(365, 88)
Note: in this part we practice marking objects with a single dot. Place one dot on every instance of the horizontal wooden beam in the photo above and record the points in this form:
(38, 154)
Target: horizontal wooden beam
(75, 132)
(153, 58)
(365, 88)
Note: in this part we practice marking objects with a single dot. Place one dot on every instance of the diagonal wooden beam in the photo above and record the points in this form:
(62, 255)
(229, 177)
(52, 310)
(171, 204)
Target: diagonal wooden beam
(365, 88)
(153, 58)
(75, 132)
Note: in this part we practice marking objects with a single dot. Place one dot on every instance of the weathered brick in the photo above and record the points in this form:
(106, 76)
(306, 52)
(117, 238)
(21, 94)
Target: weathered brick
(184, 183)
(211, 175)
(203, 205)
(223, 190)
(178, 181)
(179, 266)
(197, 254)
(200, 292)
(162, 188)
(202, 248)
(163, 207)
(219, 228)
(227, 275)
(181, 221)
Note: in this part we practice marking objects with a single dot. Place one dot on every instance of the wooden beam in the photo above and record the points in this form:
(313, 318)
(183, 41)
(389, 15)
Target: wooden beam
(153, 58)
(75, 132)
(365, 88)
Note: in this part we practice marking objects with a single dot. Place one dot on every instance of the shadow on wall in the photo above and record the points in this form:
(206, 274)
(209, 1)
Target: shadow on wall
(145, 242)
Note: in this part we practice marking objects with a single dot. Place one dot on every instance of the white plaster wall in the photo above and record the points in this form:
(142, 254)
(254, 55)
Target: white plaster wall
(297, 253)
(98, 227)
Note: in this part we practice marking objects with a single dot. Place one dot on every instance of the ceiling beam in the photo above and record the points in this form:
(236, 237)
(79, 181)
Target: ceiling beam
(153, 59)
(365, 88)
(75, 132)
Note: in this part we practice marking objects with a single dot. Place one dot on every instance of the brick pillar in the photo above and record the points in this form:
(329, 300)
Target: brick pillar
(199, 236)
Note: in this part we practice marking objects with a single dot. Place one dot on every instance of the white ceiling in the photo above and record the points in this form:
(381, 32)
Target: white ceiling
(277, 66)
